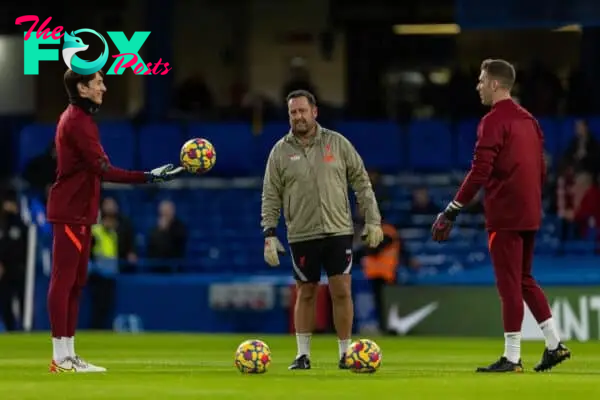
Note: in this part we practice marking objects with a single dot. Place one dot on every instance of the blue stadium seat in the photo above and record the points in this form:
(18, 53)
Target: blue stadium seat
(386, 154)
(568, 130)
(159, 144)
(552, 133)
(270, 134)
(429, 145)
(594, 124)
(234, 143)
(567, 133)
(466, 136)
(118, 140)
(34, 140)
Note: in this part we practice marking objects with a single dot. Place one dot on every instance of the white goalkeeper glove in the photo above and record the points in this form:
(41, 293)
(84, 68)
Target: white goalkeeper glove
(372, 235)
(163, 173)
(272, 249)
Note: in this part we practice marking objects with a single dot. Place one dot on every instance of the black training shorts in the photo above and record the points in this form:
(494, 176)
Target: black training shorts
(333, 253)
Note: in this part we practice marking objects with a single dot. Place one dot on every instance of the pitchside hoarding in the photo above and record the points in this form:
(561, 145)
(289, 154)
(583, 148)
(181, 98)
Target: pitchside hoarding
(475, 311)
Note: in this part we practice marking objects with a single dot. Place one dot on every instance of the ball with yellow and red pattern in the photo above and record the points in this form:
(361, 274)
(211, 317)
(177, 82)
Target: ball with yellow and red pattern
(198, 156)
(363, 356)
(253, 357)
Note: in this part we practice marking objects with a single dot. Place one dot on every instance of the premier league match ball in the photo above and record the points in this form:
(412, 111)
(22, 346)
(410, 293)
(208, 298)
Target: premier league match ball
(363, 356)
(198, 156)
(253, 357)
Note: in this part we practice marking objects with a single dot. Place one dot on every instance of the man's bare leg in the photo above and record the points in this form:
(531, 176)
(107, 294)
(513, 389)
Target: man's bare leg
(304, 315)
(340, 288)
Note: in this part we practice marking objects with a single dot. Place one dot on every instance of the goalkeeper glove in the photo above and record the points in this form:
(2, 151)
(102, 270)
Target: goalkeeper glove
(273, 248)
(441, 228)
(372, 235)
(163, 173)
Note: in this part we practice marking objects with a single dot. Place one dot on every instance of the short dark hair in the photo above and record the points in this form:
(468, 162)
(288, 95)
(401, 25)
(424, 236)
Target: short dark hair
(72, 78)
(501, 70)
(302, 93)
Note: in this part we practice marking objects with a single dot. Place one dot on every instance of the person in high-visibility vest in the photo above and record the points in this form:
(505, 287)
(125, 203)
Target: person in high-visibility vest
(104, 268)
(380, 265)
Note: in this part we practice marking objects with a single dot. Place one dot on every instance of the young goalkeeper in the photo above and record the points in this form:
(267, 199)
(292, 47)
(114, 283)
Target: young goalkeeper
(73, 205)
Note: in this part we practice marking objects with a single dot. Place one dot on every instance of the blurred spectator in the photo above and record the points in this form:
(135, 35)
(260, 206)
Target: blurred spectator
(380, 265)
(583, 152)
(422, 204)
(13, 256)
(565, 205)
(40, 171)
(168, 240)
(104, 267)
(125, 234)
(587, 205)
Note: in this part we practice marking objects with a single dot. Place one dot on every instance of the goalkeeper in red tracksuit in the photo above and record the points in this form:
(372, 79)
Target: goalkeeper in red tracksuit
(73, 205)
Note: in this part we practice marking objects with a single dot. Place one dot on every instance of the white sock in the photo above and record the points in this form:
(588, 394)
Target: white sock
(303, 343)
(343, 346)
(60, 350)
(512, 346)
(550, 333)
(71, 346)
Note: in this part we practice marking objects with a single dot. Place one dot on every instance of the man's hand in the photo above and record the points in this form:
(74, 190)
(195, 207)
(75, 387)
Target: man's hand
(373, 235)
(163, 173)
(272, 249)
(441, 228)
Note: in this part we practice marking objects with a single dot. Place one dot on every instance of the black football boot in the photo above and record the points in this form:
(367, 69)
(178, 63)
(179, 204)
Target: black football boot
(502, 365)
(551, 358)
(342, 363)
(302, 362)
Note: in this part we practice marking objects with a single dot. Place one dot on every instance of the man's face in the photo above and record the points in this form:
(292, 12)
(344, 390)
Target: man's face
(486, 88)
(302, 115)
(94, 90)
(166, 210)
(110, 206)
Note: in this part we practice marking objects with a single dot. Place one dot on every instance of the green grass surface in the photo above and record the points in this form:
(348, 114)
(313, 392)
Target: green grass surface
(157, 366)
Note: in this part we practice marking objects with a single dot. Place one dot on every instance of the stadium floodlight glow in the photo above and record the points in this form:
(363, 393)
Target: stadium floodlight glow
(426, 29)
(454, 29)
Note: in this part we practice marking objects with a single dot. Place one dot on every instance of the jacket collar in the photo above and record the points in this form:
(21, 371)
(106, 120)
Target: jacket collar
(291, 138)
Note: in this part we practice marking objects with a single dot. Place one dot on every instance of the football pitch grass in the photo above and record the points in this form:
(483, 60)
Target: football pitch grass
(178, 366)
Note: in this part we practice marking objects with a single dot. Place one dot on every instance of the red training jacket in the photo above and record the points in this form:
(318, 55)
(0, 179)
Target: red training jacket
(509, 165)
(81, 166)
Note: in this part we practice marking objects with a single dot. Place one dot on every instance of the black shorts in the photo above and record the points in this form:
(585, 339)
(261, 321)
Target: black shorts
(333, 253)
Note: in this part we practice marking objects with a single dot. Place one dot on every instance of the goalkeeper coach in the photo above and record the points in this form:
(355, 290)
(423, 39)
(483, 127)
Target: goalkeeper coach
(307, 174)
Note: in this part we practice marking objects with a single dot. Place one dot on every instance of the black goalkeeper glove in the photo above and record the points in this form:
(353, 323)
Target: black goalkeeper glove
(441, 228)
